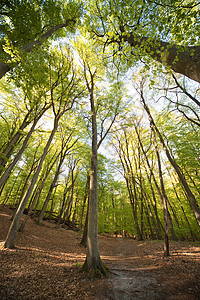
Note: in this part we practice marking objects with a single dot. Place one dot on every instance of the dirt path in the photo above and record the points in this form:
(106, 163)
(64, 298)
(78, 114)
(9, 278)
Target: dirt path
(130, 282)
(45, 266)
(139, 271)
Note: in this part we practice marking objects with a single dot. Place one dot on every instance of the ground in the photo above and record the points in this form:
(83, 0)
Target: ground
(47, 260)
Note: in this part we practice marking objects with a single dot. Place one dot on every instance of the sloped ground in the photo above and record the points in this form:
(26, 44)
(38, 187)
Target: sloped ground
(46, 263)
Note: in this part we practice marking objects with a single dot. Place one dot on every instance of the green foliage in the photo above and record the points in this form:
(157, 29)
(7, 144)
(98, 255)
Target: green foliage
(58, 73)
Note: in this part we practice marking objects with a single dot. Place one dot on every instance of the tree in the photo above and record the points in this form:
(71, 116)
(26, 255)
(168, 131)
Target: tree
(132, 30)
(190, 195)
(38, 189)
(64, 90)
(27, 25)
(93, 71)
(65, 149)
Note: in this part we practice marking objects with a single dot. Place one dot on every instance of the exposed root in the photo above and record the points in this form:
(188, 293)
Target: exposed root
(95, 271)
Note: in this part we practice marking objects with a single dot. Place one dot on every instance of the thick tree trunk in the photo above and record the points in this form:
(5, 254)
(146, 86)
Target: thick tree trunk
(9, 243)
(181, 59)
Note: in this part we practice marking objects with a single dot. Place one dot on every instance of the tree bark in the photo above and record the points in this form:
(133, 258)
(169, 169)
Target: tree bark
(87, 186)
(93, 264)
(181, 59)
(165, 208)
(9, 243)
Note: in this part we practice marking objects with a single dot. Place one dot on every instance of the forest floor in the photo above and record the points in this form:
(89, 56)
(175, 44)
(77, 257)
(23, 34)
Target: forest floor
(47, 259)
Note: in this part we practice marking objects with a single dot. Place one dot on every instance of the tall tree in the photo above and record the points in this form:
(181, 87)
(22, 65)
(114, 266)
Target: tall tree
(64, 90)
(27, 25)
(65, 144)
(132, 29)
(93, 71)
(190, 195)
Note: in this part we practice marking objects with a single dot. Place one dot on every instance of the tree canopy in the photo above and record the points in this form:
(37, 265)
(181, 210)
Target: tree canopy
(100, 116)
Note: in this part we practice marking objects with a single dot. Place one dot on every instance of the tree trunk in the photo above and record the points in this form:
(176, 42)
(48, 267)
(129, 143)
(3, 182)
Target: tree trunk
(84, 236)
(87, 186)
(21, 228)
(193, 237)
(9, 243)
(11, 144)
(159, 226)
(7, 66)
(8, 194)
(93, 264)
(164, 197)
(181, 59)
(191, 197)
(18, 155)
(53, 184)
(66, 190)
(129, 188)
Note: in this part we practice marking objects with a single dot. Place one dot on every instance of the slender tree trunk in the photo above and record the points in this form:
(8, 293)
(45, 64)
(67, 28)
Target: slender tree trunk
(18, 155)
(31, 169)
(87, 186)
(9, 243)
(130, 182)
(159, 226)
(68, 204)
(191, 197)
(66, 190)
(84, 236)
(93, 263)
(192, 180)
(11, 144)
(193, 237)
(7, 66)
(21, 228)
(146, 210)
(68, 210)
(150, 213)
(165, 208)
(75, 210)
(52, 186)
(10, 191)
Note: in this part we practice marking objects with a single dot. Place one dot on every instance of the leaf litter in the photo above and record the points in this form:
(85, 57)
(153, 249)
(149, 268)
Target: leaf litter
(46, 261)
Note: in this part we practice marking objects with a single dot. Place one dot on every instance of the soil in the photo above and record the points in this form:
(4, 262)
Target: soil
(46, 265)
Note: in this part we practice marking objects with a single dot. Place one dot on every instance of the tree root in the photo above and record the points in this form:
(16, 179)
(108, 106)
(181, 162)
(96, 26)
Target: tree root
(95, 271)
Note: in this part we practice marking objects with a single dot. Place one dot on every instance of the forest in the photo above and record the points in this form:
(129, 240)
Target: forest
(100, 119)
